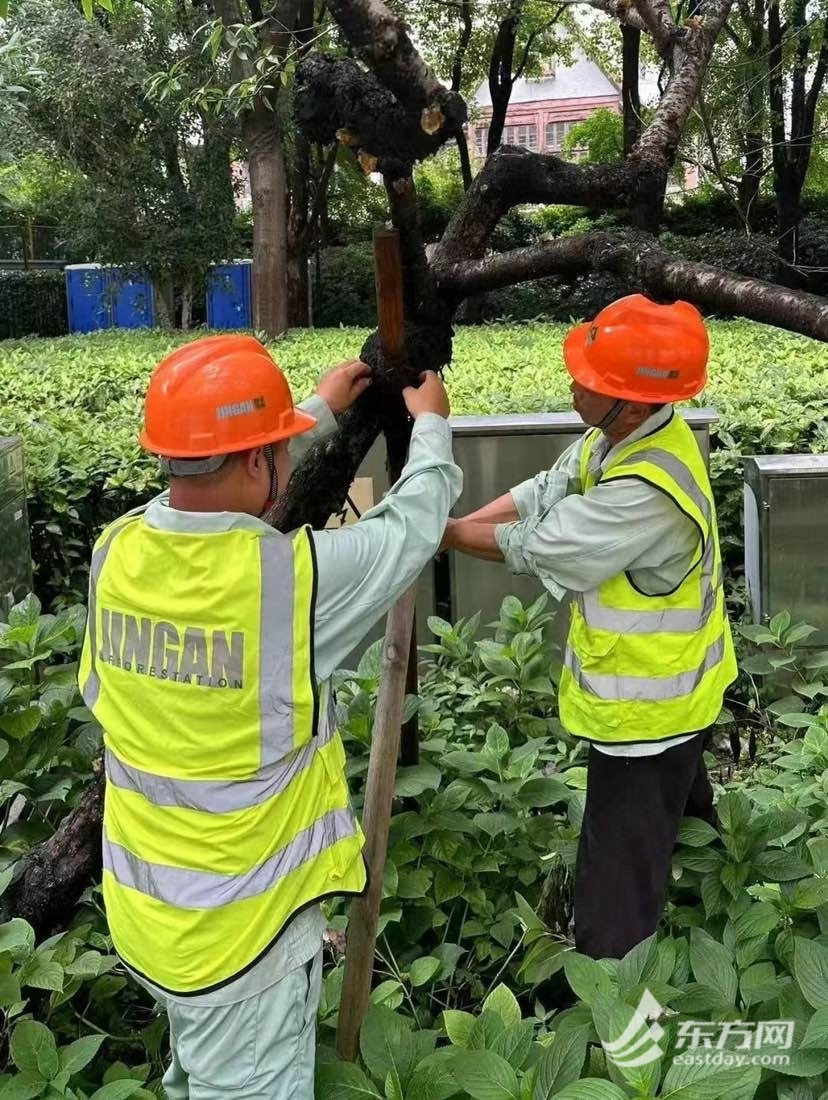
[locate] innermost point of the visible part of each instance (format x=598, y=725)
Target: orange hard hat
x=218, y=395
x=637, y=350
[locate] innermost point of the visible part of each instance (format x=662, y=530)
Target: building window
x=525, y=134
x=481, y=135
x=556, y=133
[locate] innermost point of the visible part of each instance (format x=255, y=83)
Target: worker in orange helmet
x=209, y=651
x=624, y=524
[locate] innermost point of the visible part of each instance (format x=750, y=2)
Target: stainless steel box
x=496, y=453
x=15, y=550
x=786, y=558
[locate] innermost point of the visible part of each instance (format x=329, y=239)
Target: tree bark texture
x=631, y=59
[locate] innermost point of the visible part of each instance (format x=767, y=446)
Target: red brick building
x=542, y=110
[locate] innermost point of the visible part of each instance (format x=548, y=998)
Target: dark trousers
x=633, y=809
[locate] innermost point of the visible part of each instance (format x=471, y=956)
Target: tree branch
x=655, y=15
x=462, y=46
x=642, y=263
x=381, y=42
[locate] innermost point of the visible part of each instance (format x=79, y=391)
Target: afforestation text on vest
x=160, y=649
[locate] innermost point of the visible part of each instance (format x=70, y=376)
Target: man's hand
x=429, y=397
x=340, y=387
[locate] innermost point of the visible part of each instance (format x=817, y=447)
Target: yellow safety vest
x=643, y=668
x=227, y=809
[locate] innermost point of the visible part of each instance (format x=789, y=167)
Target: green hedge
x=32, y=303
x=77, y=401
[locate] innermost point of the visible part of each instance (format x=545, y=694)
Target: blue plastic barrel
x=229, y=303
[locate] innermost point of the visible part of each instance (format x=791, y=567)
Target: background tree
x=153, y=188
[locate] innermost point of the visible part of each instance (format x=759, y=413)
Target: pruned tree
x=389, y=108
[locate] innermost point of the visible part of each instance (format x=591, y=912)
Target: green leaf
x=592, y=1088
x=503, y=1001
x=696, y=833
x=18, y=938
x=780, y=866
x=537, y=794
x=21, y=723
x=810, y=894
x=25, y=613
x=432, y=1079
x=30, y=1042
x=587, y=979
x=121, y=1090
x=634, y=965
x=486, y=1076
x=561, y=1063
x=80, y=1053
x=423, y=970
x=713, y=965
x=22, y=1088
x=386, y=1044
x=816, y=1034
x=759, y=920
x=709, y=1082
x=414, y=780
x=497, y=741
x=733, y=810
x=40, y=973
x=811, y=971
x=458, y=1026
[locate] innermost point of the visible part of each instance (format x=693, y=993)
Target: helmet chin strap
x=611, y=416
x=273, y=491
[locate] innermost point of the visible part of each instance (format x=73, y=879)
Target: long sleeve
x=542, y=492
x=325, y=426
x=364, y=568
x=583, y=540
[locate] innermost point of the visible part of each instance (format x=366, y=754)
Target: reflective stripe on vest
x=640, y=667
x=227, y=809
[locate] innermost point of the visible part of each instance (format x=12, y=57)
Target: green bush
x=477, y=992
x=343, y=287
x=76, y=402
x=32, y=303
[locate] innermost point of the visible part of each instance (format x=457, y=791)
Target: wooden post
x=379, y=792
x=385, y=740
x=390, y=310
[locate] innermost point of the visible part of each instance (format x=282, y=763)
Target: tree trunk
x=298, y=286
x=500, y=75
x=751, y=179
x=788, y=217
x=631, y=53
x=187, y=305
x=268, y=192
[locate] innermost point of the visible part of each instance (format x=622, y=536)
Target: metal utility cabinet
x=786, y=502
x=15, y=552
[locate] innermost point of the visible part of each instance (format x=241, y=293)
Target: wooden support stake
x=379, y=792
x=385, y=740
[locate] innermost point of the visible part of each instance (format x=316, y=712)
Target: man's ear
x=637, y=413
x=253, y=461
